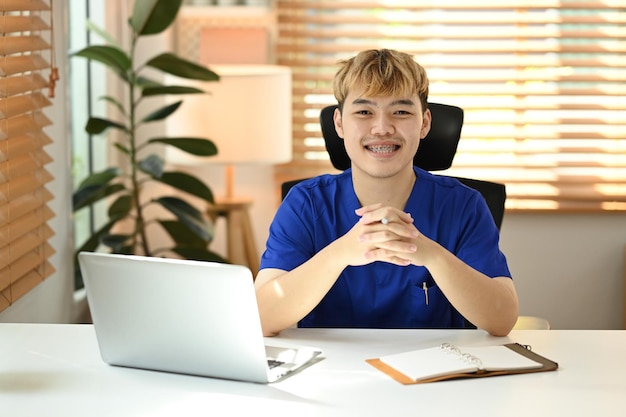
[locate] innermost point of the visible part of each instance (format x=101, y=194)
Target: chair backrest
x=494, y=194
x=436, y=153
x=436, y=150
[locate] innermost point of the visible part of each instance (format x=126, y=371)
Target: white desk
x=56, y=370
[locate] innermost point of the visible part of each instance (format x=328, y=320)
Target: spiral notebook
x=450, y=362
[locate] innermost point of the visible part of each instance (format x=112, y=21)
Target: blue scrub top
x=381, y=295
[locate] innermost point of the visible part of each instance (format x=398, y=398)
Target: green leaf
x=187, y=183
x=89, y=195
x=78, y=277
x=116, y=241
x=162, y=113
x=92, y=27
x=113, y=57
x=100, y=178
x=153, y=16
x=181, y=234
x=174, y=65
x=194, y=146
x=152, y=165
x=199, y=254
x=94, y=240
x=121, y=207
x=188, y=215
x=127, y=250
x=176, y=205
x=96, y=125
x=142, y=81
x=122, y=148
x=93, y=188
x=115, y=103
x=90, y=245
x=174, y=89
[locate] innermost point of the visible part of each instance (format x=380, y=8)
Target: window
x=87, y=84
x=24, y=233
x=542, y=83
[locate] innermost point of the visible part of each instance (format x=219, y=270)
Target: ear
x=338, y=122
x=426, y=123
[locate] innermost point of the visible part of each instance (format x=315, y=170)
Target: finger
x=385, y=216
x=380, y=232
x=361, y=211
x=386, y=256
x=387, y=243
x=406, y=218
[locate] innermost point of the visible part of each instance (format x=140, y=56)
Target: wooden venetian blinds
x=24, y=47
x=542, y=83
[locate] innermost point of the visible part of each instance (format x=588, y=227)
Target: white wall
x=568, y=268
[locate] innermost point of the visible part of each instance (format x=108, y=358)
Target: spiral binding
x=464, y=356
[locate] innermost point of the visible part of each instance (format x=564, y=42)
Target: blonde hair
x=383, y=72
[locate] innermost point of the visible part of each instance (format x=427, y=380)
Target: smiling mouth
x=382, y=149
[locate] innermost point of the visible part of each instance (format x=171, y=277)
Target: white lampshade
x=247, y=114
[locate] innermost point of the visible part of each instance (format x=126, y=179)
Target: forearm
x=489, y=303
x=286, y=297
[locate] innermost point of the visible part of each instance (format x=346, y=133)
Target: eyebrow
x=400, y=102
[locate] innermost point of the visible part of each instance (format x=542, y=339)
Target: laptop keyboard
x=273, y=363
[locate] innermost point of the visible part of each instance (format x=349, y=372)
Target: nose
x=382, y=125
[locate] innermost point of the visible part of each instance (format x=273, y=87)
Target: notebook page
x=428, y=363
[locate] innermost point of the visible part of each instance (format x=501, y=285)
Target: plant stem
x=135, y=186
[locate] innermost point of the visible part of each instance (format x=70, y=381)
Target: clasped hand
x=383, y=234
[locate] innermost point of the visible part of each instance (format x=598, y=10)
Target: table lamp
x=247, y=114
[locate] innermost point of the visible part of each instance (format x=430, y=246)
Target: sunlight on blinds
x=542, y=83
x=24, y=233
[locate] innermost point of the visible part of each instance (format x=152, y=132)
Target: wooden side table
x=241, y=246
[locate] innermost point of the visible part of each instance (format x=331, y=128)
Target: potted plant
x=126, y=229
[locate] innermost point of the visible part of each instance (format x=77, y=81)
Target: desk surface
x=56, y=370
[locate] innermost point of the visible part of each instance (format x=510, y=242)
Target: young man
x=384, y=244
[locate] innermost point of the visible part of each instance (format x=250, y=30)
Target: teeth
x=382, y=148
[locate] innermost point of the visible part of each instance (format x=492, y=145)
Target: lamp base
x=241, y=246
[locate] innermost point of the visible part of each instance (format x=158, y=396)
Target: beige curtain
x=25, y=53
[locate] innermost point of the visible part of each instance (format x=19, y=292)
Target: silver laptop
x=190, y=317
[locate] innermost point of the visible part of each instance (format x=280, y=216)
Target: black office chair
x=436, y=152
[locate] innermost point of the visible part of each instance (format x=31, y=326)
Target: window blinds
x=24, y=213
x=542, y=83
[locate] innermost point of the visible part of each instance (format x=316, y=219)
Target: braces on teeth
x=382, y=148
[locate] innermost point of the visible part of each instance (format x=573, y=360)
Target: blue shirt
x=381, y=295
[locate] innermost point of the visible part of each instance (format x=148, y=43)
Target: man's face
x=381, y=134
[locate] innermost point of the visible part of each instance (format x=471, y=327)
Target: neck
x=391, y=191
